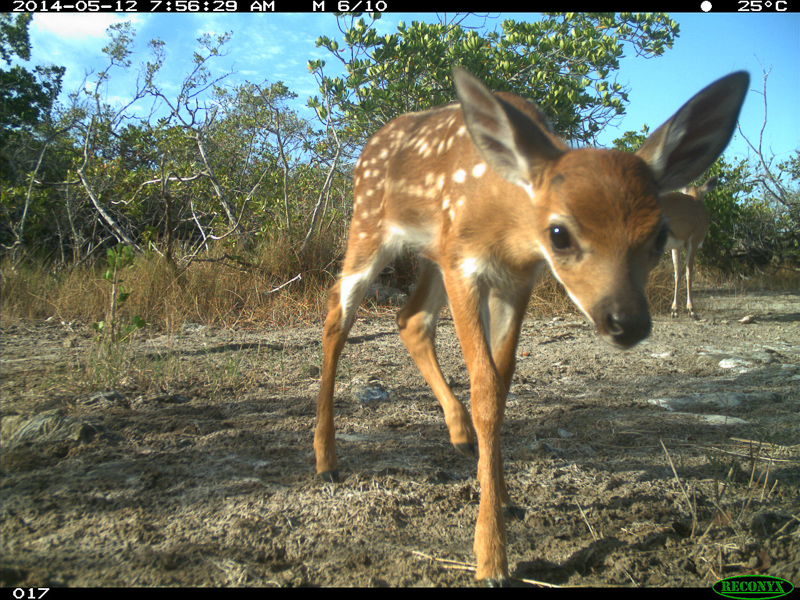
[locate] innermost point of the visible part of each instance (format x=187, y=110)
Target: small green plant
x=110, y=330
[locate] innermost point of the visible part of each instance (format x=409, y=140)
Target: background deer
x=488, y=195
x=687, y=220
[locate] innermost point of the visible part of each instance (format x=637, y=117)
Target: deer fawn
x=487, y=195
x=687, y=219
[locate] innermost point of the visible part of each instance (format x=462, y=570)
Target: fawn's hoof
x=469, y=449
x=330, y=476
x=498, y=582
x=513, y=512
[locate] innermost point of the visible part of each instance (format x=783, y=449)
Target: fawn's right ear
x=513, y=145
x=687, y=144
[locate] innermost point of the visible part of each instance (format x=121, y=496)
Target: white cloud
x=77, y=26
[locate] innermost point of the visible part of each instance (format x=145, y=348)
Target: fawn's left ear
x=687, y=144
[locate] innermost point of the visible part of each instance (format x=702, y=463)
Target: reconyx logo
x=759, y=587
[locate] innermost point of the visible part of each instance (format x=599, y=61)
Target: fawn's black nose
x=623, y=324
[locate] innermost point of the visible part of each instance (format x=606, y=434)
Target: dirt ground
x=673, y=464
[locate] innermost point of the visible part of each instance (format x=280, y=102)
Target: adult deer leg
x=676, y=267
x=691, y=252
x=417, y=323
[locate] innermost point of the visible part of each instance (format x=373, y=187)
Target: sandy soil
x=186, y=459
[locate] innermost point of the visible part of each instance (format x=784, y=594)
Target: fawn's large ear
x=509, y=141
x=685, y=146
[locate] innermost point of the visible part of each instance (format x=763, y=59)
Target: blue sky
x=277, y=46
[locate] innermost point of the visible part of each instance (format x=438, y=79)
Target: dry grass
x=220, y=289
x=660, y=288
x=227, y=290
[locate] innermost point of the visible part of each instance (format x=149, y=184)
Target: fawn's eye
x=560, y=239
